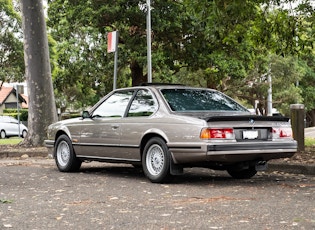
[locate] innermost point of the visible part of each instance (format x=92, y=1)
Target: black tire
x=243, y=173
x=156, y=161
x=65, y=157
x=24, y=133
x=3, y=134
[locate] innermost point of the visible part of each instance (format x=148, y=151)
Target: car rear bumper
x=232, y=152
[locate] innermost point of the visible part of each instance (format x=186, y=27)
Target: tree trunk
x=311, y=118
x=211, y=82
x=41, y=107
x=137, y=74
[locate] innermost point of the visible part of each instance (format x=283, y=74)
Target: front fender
x=55, y=130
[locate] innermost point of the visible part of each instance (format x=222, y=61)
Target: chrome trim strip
x=104, y=145
x=49, y=143
x=254, y=146
x=107, y=158
x=252, y=152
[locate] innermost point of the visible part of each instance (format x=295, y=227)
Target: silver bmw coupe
x=166, y=128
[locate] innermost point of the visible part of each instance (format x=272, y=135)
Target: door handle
x=115, y=127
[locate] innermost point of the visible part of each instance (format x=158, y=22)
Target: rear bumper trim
x=292, y=146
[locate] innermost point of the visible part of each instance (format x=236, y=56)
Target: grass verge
x=309, y=142
x=10, y=141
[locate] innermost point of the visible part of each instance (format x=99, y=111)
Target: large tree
x=42, y=109
x=214, y=44
x=80, y=29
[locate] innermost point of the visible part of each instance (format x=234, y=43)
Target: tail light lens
x=217, y=133
x=281, y=132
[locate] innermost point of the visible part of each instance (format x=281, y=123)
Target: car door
x=11, y=127
x=100, y=134
x=137, y=122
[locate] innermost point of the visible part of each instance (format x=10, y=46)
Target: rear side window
x=142, y=105
x=199, y=100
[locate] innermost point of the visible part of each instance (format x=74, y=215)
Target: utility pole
x=17, y=107
x=149, y=60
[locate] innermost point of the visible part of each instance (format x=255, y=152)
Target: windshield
x=199, y=100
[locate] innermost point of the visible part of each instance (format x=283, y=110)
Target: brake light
x=218, y=133
x=281, y=132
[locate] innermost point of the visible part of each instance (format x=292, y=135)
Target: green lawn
x=309, y=142
x=10, y=141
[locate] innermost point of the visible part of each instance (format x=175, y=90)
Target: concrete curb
x=8, y=154
x=282, y=167
x=292, y=168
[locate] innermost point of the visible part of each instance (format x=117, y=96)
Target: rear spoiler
x=247, y=118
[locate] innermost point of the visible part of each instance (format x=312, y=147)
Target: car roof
x=166, y=86
x=1, y=116
x=160, y=84
x=5, y=118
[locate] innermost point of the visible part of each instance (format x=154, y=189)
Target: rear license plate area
x=250, y=134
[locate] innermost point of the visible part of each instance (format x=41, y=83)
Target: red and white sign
x=111, y=42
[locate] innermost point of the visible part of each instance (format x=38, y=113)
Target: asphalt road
x=34, y=195
x=309, y=132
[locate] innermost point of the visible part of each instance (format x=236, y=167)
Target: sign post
x=112, y=46
x=18, y=107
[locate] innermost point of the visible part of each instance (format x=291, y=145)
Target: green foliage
x=11, y=46
x=286, y=72
x=5, y=201
x=309, y=142
x=14, y=113
x=226, y=45
x=307, y=83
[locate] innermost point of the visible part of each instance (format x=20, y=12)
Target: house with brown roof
x=8, y=99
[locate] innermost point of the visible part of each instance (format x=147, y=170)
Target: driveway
x=34, y=195
x=310, y=132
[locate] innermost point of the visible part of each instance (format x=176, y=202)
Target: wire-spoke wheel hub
x=155, y=159
x=63, y=153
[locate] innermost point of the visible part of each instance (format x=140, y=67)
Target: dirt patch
x=305, y=157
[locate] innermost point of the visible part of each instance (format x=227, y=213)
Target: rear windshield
x=199, y=100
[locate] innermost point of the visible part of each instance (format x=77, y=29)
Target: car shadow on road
x=197, y=176
x=113, y=170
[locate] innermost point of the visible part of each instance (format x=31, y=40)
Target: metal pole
x=115, y=62
x=17, y=107
x=149, y=41
x=269, y=99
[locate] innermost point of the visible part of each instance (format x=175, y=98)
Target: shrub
x=14, y=113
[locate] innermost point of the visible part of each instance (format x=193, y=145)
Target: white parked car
x=9, y=127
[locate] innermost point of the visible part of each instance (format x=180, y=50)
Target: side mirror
x=86, y=114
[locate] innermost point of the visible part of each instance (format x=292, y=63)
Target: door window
x=115, y=105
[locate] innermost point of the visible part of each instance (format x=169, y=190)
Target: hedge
x=14, y=113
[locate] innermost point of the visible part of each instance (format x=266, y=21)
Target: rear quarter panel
x=171, y=128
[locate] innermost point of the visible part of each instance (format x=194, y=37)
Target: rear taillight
x=281, y=132
x=217, y=133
